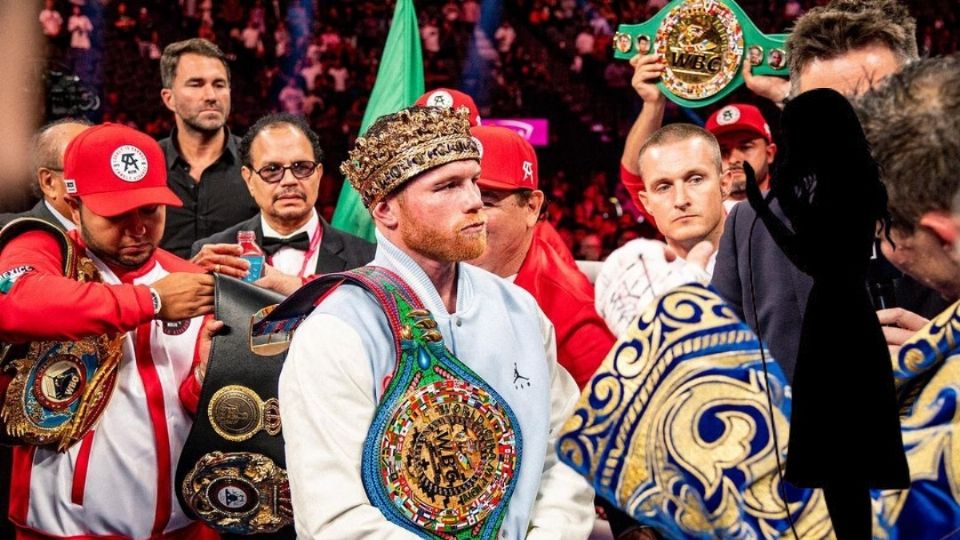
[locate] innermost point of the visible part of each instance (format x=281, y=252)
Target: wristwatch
x=157, y=304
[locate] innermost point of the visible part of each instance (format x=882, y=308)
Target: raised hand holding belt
x=300, y=241
x=704, y=44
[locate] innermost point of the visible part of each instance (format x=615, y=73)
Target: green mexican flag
x=399, y=84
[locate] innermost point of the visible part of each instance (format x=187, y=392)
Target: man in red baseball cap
x=744, y=136
x=131, y=314
x=517, y=249
x=449, y=98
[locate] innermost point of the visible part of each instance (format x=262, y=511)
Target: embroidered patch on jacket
x=175, y=328
x=8, y=278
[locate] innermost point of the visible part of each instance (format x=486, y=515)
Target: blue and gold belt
x=59, y=389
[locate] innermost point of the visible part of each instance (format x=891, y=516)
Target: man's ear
x=726, y=182
x=642, y=195
x=47, y=183
x=771, y=152
x=247, y=174
x=386, y=211
x=534, y=204
x=166, y=96
x=74, y=204
x=941, y=224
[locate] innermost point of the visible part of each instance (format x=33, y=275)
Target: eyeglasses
x=273, y=173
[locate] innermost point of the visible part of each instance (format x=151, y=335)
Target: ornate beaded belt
x=442, y=453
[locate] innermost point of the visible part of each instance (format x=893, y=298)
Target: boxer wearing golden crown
x=417, y=173
x=105, y=329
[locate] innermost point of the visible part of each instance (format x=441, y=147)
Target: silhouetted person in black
x=844, y=428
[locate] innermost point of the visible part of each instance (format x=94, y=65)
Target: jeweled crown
x=399, y=146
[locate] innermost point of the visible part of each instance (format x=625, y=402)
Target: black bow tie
x=300, y=241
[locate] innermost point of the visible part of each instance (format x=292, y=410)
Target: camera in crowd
x=68, y=96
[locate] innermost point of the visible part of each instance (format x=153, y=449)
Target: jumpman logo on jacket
x=519, y=381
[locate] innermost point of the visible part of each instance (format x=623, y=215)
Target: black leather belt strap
x=232, y=364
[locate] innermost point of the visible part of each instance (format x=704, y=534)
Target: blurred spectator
x=80, y=28
x=451, y=11
x=470, y=12
x=330, y=40
x=124, y=24
x=340, y=74
x=258, y=16
x=430, y=35
x=281, y=39
x=505, y=36
x=250, y=38
x=590, y=248
x=145, y=31
x=292, y=97
x=51, y=22
x=310, y=71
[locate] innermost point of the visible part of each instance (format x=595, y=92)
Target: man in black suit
x=49, y=145
x=281, y=167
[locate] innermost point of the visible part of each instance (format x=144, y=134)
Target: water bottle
x=252, y=254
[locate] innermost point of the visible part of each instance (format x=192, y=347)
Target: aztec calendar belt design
x=448, y=455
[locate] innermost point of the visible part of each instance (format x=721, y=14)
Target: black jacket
x=338, y=251
x=780, y=288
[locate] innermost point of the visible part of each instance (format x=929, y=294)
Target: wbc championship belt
x=443, y=450
x=59, y=389
x=704, y=44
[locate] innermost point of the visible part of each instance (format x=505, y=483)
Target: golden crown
x=400, y=146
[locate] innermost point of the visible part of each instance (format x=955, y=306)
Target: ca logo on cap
x=129, y=163
x=728, y=115
x=440, y=98
x=528, y=170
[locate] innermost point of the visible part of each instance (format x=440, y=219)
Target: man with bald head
x=49, y=145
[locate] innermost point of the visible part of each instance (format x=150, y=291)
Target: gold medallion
x=702, y=44
x=237, y=413
x=239, y=492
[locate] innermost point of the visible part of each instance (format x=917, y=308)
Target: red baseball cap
x=449, y=98
x=507, y=161
x=739, y=117
x=114, y=169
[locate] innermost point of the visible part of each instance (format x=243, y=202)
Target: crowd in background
x=319, y=59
